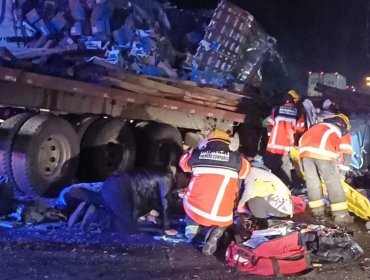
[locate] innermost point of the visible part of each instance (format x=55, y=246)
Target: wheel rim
x=115, y=154
x=53, y=154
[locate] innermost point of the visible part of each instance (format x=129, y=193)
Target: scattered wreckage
x=82, y=101
x=103, y=87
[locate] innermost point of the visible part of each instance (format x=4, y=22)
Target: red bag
x=280, y=256
x=299, y=205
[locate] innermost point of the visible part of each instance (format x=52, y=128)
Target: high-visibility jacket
x=213, y=189
x=262, y=183
x=286, y=122
x=321, y=141
x=345, y=146
x=345, y=149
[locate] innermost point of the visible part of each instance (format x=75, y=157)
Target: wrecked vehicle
x=75, y=108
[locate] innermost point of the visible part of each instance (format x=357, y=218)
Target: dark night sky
x=317, y=35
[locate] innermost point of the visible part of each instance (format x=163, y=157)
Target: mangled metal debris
x=146, y=37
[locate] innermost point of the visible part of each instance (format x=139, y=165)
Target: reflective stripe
x=333, y=128
x=316, y=203
x=318, y=151
x=208, y=216
x=247, y=169
x=215, y=170
x=279, y=147
x=345, y=147
x=270, y=121
x=324, y=138
x=184, y=158
x=191, y=184
x=220, y=196
x=286, y=119
x=339, y=206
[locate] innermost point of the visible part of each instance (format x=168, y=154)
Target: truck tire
x=82, y=122
x=8, y=131
x=45, y=155
x=107, y=147
x=159, y=145
x=192, y=139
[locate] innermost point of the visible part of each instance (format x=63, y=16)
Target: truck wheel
x=107, y=147
x=8, y=131
x=45, y=155
x=82, y=122
x=192, y=139
x=159, y=145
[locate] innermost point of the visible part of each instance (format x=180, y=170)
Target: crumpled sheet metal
x=233, y=43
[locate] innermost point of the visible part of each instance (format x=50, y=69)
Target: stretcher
x=357, y=203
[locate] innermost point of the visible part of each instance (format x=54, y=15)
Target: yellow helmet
x=345, y=120
x=218, y=135
x=295, y=95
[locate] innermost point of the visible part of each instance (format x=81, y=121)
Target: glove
x=202, y=144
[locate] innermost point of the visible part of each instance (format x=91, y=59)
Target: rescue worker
x=265, y=195
x=285, y=123
x=211, y=195
x=345, y=158
x=319, y=149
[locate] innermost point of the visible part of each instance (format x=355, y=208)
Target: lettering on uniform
x=217, y=156
x=289, y=111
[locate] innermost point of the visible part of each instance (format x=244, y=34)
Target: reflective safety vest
x=285, y=123
x=213, y=189
x=345, y=146
x=262, y=183
x=346, y=151
x=321, y=141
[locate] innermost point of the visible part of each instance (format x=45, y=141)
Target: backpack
x=280, y=256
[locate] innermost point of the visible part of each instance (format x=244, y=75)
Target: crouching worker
x=210, y=198
x=264, y=196
x=125, y=197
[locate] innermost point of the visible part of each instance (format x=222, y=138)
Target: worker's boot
x=342, y=218
x=212, y=238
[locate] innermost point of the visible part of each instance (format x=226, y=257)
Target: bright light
x=367, y=79
x=321, y=73
x=309, y=72
x=336, y=73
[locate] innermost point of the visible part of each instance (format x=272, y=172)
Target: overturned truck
x=109, y=100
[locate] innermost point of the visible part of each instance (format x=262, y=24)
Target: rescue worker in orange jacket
x=319, y=149
x=211, y=196
x=285, y=123
x=346, y=151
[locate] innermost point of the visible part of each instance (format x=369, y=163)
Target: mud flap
x=357, y=203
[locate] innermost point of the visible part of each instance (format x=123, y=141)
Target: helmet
x=295, y=95
x=218, y=135
x=345, y=119
x=341, y=121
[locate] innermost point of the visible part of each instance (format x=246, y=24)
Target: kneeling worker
x=210, y=198
x=265, y=195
